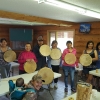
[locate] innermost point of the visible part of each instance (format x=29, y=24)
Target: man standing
x=41, y=60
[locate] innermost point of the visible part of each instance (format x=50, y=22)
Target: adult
x=93, y=53
x=55, y=63
x=3, y=49
x=69, y=68
x=35, y=84
x=26, y=55
x=41, y=59
x=98, y=52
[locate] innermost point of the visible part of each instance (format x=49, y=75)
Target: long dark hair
x=89, y=43
x=97, y=45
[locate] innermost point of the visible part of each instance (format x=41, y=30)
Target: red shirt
x=24, y=56
x=66, y=51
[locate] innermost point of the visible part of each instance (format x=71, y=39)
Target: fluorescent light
x=71, y=7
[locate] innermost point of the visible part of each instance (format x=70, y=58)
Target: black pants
x=55, y=68
x=21, y=72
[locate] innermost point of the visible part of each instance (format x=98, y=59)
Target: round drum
x=85, y=59
x=30, y=67
x=70, y=58
x=47, y=75
x=84, y=91
x=45, y=50
x=9, y=56
x=55, y=54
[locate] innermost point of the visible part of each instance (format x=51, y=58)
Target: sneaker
x=66, y=89
x=51, y=86
x=55, y=85
x=73, y=90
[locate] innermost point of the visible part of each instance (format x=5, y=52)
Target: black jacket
x=41, y=59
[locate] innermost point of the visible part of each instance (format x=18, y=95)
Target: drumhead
x=9, y=56
x=45, y=50
x=70, y=58
x=46, y=74
x=30, y=67
x=55, y=54
x=85, y=59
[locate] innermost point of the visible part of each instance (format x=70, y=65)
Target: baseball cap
x=37, y=77
x=40, y=38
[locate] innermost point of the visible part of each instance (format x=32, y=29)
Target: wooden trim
x=17, y=16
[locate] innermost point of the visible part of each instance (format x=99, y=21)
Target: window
x=62, y=37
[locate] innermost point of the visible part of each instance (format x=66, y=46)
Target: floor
x=58, y=94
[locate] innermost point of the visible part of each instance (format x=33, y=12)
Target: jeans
x=55, y=68
x=71, y=70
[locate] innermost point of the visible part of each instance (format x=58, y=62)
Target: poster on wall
x=85, y=27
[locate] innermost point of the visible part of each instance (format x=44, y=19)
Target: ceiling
x=31, y=7
x=18, y=22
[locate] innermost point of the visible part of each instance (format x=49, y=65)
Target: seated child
x=20, y=83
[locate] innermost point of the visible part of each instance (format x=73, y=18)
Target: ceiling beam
x=17, y=16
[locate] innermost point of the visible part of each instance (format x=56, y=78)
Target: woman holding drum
x=69, y=62
x=3, y=49
x=93, y=53
x=26, y=56
x=55, y=59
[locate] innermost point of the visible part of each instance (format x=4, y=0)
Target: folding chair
x=3, y=72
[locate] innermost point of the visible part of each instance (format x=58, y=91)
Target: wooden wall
x=80, y=39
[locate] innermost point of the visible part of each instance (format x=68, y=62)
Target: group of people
x=30, y=55
x=22, y=91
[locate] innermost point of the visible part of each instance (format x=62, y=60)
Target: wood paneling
x=80, y=39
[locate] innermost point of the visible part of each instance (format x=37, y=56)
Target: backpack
x=15, y=93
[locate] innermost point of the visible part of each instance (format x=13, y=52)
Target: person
x=20, y=91
x=35, y=84
x=20, y=82
x=69, y=68
x=41, y=59
x=54, y=64
x=98, y=52
x=98, y=63
x=0, y=42
x=3, y=49
x=25, y=56
x=93, y=53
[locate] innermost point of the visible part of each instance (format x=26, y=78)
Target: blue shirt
x=98, y=62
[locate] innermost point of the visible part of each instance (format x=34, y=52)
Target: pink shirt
x=24, y=56
x=66, y=51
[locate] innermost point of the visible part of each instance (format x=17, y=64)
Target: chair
x=3, y=72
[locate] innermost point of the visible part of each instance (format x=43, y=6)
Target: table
x=4, y=86
x=93, y=72
x=74, y=96
x=13, y=65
